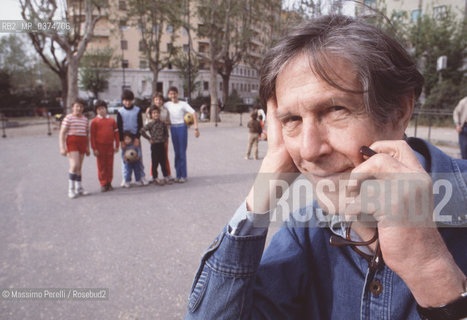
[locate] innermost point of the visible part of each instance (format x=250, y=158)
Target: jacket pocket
x=199, y=288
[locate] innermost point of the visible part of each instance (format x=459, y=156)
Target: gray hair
x=385, y=70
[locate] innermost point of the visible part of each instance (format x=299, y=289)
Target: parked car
x=113, y=106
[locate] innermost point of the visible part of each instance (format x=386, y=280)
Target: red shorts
x=76, y=143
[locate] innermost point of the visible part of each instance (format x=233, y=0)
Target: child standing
x=130, y=118
x=104, y=142
x=179, y=132
x=255, y=131
x=158, y=136
x=130, y=165
x=74, y=142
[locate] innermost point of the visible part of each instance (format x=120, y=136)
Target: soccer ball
x=131, y=155
x=188, y=119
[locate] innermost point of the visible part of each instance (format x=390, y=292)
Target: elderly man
x=340, y=94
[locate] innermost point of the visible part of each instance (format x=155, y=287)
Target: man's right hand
x=277, y=165
x=459, y=129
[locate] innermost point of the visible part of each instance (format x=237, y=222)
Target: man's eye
x=292, y=119
x=337, y=108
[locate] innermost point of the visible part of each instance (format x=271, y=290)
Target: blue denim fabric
x=179, y=134
x=301, y=276
x=129, y=167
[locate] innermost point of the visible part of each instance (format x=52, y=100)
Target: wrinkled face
x=323, y=127
x=77, y=109
x=127, y=103
x=155, y=114
x=173, y=96
x=102, y=111
x=158, y=101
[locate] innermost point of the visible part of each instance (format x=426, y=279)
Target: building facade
x=131, y=69
x=415, y=8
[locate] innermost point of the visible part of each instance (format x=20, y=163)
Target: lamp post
x=122, y=46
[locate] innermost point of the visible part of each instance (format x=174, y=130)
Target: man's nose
x=314, y=141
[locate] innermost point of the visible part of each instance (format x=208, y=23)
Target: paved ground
x=142, y=243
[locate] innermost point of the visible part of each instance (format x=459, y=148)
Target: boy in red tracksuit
x=104, y=143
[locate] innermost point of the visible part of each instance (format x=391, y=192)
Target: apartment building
x=133, y=70
x=416, y=8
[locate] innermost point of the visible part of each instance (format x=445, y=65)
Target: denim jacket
x=301, y=276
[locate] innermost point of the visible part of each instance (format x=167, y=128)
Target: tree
x=83, y=15
x=239, y=34
x=272, y=22
x=16, y=62
x=152, y=17
x=94, y=72
x=435, y=37
x=187, y=71
x=218, y=19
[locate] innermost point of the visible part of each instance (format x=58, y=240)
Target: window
x=124, y=63
x=202, y=29
x=439, y=12
x=143, y=64
x=123, y=25
x=184, y=31
x=122, y=5
x=186, y=48
x=206, y=85
x=141, y=45
x=169, y=28
x=123, y=44
x=203, y=47
x=416, y=14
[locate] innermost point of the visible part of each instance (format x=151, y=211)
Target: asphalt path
x=143, y=244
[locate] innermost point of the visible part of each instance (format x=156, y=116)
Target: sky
x=10, y=10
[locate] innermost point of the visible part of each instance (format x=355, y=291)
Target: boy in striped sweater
x=74, y=143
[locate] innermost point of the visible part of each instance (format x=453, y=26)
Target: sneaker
x=246, y=158
x=104, y=188
x=109, y=187
x=170, y=178
x=168, y=181
x=72, y=194
x=144, y=181
x=151, y=180
x=123, y=183
x=139, y=183
x=160, y=182
x=126, y=184
x=82, y=192
x=182, y=180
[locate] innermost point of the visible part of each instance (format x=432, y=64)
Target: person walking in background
x=255, y=129
x=130, y=118
x=158, y=136
x=104, y=143
x=74, y=143
x=460, y=119
x=178, y=129
x=130, y=159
